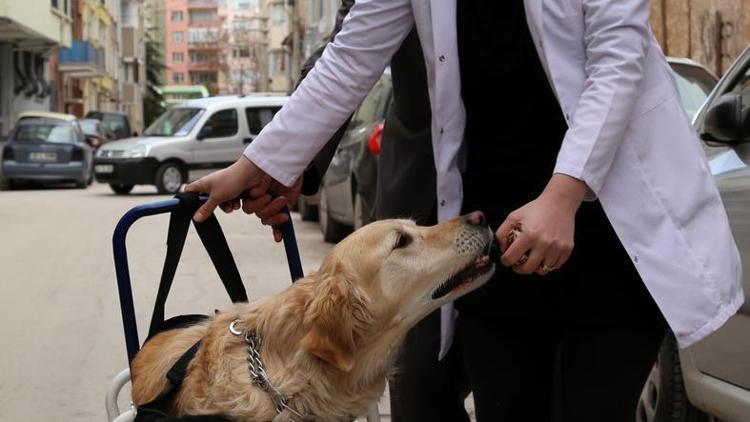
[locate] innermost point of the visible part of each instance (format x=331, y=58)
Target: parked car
x=97, y=133
x=49, y=148
x=185, y=143
x=347, y=191
x=710, y=381
x=118, y=123
x=694, y=83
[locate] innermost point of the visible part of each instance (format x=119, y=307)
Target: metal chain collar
x=258, y=374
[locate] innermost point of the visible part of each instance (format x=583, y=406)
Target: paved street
x=61, y=331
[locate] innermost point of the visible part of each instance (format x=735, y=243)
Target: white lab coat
x=629, y=139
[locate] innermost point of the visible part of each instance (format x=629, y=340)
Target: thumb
x=206, y=210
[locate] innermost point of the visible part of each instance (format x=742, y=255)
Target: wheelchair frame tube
x=122, y=271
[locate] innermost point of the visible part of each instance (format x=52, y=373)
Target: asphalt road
x=61, y=338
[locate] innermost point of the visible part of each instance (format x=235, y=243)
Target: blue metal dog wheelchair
x=180, y=209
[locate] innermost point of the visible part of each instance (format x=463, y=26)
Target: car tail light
x=376, y=136
x=8, y=153
x=76, y=155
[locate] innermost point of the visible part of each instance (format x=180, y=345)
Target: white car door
x=219, y=142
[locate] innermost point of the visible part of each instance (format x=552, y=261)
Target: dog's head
x=382, y=279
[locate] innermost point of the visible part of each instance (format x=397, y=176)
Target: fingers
x=199, y=186
x=509, y=224
x=206, y=210
x=273, y=208
x=532, y=264
x=515, y=251
x=277, y=234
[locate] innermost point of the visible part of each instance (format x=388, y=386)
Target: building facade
x=30, y=33
x=194, y=38
x=243, y=55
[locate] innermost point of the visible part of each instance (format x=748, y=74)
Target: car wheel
x=169, y=178
x=306, y=211
x=121, y=189
x=664, y=398
x=332, y=230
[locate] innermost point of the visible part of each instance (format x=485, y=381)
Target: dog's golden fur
x=328, y=341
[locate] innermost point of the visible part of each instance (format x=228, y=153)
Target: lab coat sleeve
x=616, y=36
x=341, y=78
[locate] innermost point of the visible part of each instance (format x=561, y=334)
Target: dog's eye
x=403, y=241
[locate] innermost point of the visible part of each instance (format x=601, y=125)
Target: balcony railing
x=82, y=59
x=202, y=4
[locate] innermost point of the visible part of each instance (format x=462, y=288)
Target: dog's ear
x=331, y=328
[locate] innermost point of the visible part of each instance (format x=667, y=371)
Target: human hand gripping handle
x=543, y=229
x=225, y=186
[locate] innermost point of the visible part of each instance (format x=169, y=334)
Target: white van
x=185, y=143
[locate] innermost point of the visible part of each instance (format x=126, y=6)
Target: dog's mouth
x=480, y=266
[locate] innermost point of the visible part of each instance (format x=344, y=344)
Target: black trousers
x=423, y=389
x=522, y=370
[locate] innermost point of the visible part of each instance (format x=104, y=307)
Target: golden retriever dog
x=328, y=341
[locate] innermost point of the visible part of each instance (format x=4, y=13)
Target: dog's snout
x=476, y=218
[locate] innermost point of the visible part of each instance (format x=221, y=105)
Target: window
x=178, y=77
x=202, y=57
x=177, y=36
x=177, y=16
x=222, y=124
x=246, y=4
x=278, y=14
x=202, y=15
x=242, y=52
x=371, y=109
x=177, y=121
x=203, y=35
x=259, y=117
x=246, y=24
x=203, y=77
x=276, y=63
x=178, y=57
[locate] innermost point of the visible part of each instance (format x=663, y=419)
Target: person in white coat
x=626, y=163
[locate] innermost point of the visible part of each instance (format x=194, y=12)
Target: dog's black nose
x=476, y=218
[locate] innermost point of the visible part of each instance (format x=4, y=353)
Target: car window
x=370, y=110
x=259, y=117
x=89, y=127
x=222, y=123
x=60, y=133
x=175, y=122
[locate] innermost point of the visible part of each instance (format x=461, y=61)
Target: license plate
x=43, y=156
x=104, y=168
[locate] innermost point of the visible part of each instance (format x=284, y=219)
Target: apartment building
x=30, y=33
x=89, y=69
x=194, y=38
x=242, y=58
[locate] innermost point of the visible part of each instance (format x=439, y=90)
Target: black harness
x=216, y=245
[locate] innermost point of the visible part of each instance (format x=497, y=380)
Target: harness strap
x=155, y=410
x=215, y=244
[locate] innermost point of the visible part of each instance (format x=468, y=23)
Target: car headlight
x=99, y=153
x=137, y=152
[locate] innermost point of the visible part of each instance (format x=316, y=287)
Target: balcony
x=81, y=60
x=130, y=44
x=131, y=93
x=203, y=4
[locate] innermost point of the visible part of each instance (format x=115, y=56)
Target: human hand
x=544, y=228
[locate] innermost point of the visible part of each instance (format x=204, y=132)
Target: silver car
x=710, y=381
x=186, y=142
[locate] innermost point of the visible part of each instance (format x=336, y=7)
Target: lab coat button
x=442, y=203
x=442, y=130
x=441, y=58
